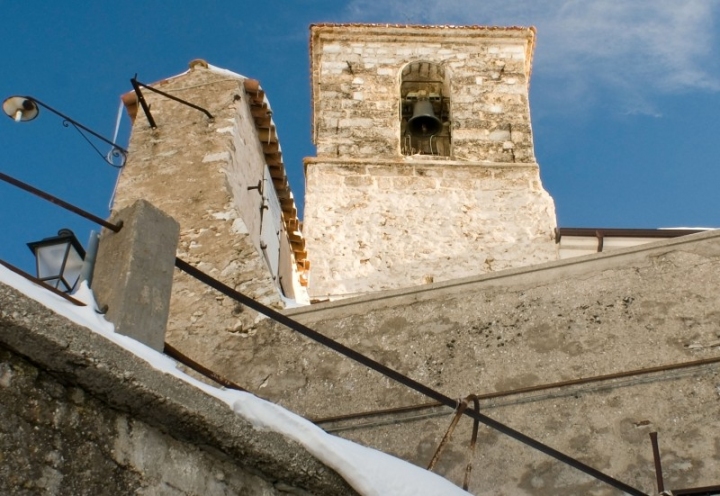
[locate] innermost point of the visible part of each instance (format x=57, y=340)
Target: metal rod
x=143, y=103
x=529, y=389
x=448, y=433
x=697, y=491
x=622, y=233
x=173, y=352
x=42, y=283
x=398, y=377
x=136, y=83
x=60, y=203
x=75, y=123
x=658, y=465
x=473, y=441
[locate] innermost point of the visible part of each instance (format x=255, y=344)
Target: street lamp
x=20, y=108
x=27, y=108
x=59, y=260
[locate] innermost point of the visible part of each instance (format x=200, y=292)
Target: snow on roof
x=225, y=72
x=368, y=471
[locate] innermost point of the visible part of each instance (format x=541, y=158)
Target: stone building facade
x=223, y=179
x=587, y=355
x=499, y=335
x=386, y=207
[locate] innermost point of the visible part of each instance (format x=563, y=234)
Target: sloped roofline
x=273, y=158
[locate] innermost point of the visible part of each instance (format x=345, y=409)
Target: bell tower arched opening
x=425, y=110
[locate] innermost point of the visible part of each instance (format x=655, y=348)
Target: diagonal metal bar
x=136, y=86
x=77, y=124
x=448, y=433
x=143, y=103
x=402, y=379
x=173, y=352
x=60, y=203
x=658, y=464
x=42, y=283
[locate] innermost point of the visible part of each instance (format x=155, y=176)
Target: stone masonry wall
x=375, y=219
x=356, y=87
x=647, y=306
x=387, y=225
x=80, y=415
x=56, y=439
x=198, y=171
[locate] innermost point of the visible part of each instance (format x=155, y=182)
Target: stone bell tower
x=425, y=168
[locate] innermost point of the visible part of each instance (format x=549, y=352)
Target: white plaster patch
x=239, y=227
x=226, y=215
x=225, y=130
x=499, y=135
x=216, y=157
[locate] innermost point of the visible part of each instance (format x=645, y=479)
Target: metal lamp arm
x=117, y=150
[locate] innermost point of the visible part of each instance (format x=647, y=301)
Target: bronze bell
x=423, y=122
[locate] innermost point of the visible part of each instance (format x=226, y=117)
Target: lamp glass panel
x=73, y=267
x=50, y=259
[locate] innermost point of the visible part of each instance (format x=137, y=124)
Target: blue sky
x=624, y=95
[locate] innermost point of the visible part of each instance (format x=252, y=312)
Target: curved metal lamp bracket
x=26, y=108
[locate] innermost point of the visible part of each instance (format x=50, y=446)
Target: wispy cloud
x=628, y=51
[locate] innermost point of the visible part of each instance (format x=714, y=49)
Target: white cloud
x=635, y=49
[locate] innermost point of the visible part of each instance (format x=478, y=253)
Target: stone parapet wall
x=383, y=224
x=356, y=86
x=80, y=415
x=57, y=439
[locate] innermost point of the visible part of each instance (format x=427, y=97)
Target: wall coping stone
x=523, y=276
x=81, y=357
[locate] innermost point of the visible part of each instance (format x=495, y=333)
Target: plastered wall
x=649, y=306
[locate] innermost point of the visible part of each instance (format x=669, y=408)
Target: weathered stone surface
x=388, y=224
x=612, y=312
x=58, y=440
x=82, y=416
x=134, y=272
x=379, y=217
x=198, y=171
x=356, y=88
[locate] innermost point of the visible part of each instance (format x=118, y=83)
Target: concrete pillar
x=134, y=272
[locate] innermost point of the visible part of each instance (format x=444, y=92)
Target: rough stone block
x=134, y=272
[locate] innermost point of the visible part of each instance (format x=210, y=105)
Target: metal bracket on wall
x=694, y=491
x=462, y=406
x=258, y=187
x=146, y=108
